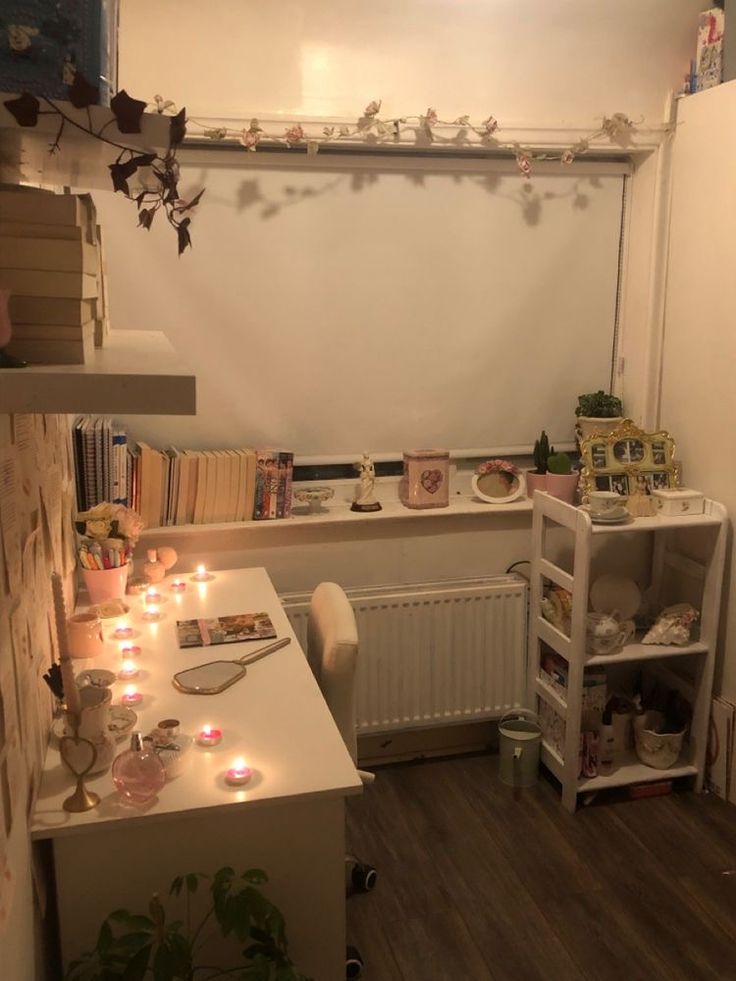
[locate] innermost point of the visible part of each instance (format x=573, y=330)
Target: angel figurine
x=365, y=499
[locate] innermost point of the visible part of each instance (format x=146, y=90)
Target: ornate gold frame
x=619, y=459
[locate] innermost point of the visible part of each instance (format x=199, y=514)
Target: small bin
x=519, y=741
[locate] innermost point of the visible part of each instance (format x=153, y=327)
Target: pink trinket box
x=425, y=483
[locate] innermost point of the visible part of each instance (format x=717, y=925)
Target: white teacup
x=606, y=634
x=607, y=504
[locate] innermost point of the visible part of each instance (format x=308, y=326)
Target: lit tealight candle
x=130, y=650
x=209, y=736
x=178, y=586
x=201, y=575
x=152, y=596
x=132, y=696
x=151, y=613
x=238, y=773
x=127, y=671
x=122, y=630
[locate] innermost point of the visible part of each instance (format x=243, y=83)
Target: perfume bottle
x=137, y=772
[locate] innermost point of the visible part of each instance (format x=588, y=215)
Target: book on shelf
x=51, y=310
x=49, y=255
x=31, y=204
x=274, y=470
x=51, y=344
x=209, y=631
x=35, y=282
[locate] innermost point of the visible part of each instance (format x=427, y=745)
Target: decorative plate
x=96, y=677
x=110, y=609
x=611, y=593
x=314, y=497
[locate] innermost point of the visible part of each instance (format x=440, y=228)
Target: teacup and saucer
x=607, y=506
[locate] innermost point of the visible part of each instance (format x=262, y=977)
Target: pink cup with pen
x=105, y=584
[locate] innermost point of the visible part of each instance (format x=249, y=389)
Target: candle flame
x=201, y=570
x=131, y=690
x=207, y=730
x=239, y=764
x=128, y=667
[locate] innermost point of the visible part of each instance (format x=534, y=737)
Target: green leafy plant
x=542, y=451
x=559, y=463
x=599, y=405
x=132, y=947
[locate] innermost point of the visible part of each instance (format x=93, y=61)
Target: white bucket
x=519, y=740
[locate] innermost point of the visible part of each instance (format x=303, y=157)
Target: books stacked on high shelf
x=51, y=262
x=173, y=486
x=274, y=473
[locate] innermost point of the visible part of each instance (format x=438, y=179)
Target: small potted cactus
x=536, y=479
x=562, y=480
x=597, y=412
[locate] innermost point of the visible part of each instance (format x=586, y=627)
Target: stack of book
x=50, y=260
x=178, y=487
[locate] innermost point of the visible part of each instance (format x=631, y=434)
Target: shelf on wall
x=135, y=372
x=81, y=160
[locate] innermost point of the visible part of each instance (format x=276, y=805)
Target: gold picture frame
x=628, y=460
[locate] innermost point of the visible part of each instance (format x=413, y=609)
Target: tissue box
x=425, y=483
x=678, y=500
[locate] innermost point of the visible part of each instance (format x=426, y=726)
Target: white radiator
x=434, y=653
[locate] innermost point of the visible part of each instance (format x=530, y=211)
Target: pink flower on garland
x=431, y=118
x=294, y=134
x=490, y=466
x=490, y=126
x=373, y=108
x=249, y=138
x=524, y=163
x=567, y=157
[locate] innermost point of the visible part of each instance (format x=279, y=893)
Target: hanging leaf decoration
x=145, y=218
x=185, y=239
x=82, y=93
x=25, y=109
x=128, y=112
x=178, y=128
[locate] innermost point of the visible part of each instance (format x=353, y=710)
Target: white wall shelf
x=135, y=372
x=81, y=161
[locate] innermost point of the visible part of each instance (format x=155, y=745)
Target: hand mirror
x=215, y=676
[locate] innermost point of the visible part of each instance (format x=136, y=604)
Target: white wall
x=561, y=63
x=698, y=393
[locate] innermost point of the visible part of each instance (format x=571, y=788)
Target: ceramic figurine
x=365, y=499
x=153, y=569
x=167, y=557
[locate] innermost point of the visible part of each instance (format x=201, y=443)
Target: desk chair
x=332, y=652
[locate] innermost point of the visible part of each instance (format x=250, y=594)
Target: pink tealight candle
x=128, y=670
x=122, y=630
x=178, y=586
x=201, y=575
x=132, y=696
x=152, y=596
x=152, y=613
x=238, y=773
x=130, y=650
x=209, y=736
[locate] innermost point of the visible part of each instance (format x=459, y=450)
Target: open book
x=224, y=630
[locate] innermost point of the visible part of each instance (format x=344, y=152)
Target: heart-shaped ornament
x=431, y=480
x=78, y=754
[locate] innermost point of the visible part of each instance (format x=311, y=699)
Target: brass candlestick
x=82, y=799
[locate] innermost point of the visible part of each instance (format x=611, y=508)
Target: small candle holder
x=151, y=613
x=239, y=773
x=128, y=671
x=201, y=575
x=131, y=696
x=209, y=736
x=122, y=631
x=130, y=650
x=151, y=597
x=178, y=586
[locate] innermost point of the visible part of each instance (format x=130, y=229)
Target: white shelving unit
x=136, y=371
x=690, y=546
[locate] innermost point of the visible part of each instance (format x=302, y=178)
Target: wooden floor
x=478, y=881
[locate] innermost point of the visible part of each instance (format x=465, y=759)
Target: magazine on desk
x=209, y=631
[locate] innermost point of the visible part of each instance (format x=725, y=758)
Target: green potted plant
x=536, y=479
x=597, y=412
x=562, y=480
x=134, y=947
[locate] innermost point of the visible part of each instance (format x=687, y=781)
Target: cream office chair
x=332, y=652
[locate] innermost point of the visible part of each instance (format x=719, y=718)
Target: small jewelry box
x=425, y=483
x=678, y=500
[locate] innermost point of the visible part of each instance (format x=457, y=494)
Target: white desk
x=288, y=820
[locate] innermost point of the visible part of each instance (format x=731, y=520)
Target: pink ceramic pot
x=563, y=485
x=535, y=482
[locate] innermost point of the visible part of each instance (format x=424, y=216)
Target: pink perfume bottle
x=137, y=772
